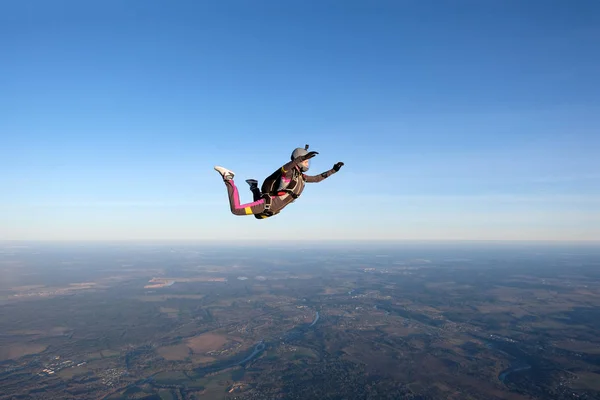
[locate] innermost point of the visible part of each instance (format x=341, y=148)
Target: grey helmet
x=300, y=152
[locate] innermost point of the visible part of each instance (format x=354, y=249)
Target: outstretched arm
x=324, y=175
x=287, y=168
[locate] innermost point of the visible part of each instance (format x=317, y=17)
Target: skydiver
x=279, y=189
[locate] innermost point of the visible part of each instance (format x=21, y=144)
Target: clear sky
x=460, y=119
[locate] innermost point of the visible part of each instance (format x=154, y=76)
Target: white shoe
x=225, y=173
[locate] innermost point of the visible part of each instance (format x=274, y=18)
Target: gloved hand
x=311, y=154
x=337, y=166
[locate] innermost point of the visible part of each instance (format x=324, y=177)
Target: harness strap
x=291, y=193
x=268, y=200
x=290, y=188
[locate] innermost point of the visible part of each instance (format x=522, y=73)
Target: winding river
x=510, y=351
x=218, y=366
x=516, y=368
x=315, y=321
x=257, y=350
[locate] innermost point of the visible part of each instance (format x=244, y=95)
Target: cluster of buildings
x=57, y=365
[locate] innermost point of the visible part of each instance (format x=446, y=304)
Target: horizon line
x=270, y=241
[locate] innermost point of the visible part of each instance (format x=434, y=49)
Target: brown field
x=225, y=302
x=402, y=330
x=55, y=331
x=300, y=276
x=16, y=351
x=499, y=308
x=69, y=373
x=491, y=390
x=441, y=285
x=519, y=312
x=451, y=343
x=260, y=288
x=163, y=297
x=549, y=324
x=26, y=288
x=278, y=286
x=58, y=330
x=330, y=290
x=27, y=292
x=426, y=309
x=579, y=346
x=508, y=295
x=155, y=286
x=177, y=352
x=307, y=318
x=335, y=312
x=170, y=312
x=194, y=279
x=430, y=369
x=27, y=332
x=84, y=284
x=206, y=342
x=194, y=347
x=587, y=381
x=199, y=359
x=101, y=355
x=209, y=268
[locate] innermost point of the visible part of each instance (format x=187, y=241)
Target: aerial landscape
x=300, y=200
x=332, y=321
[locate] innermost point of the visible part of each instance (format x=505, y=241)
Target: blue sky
x=455, y=119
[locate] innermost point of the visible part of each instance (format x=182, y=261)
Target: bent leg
x=255, y=207
x=256, y=194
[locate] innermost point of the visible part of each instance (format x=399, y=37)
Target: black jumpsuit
x=279, y=201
